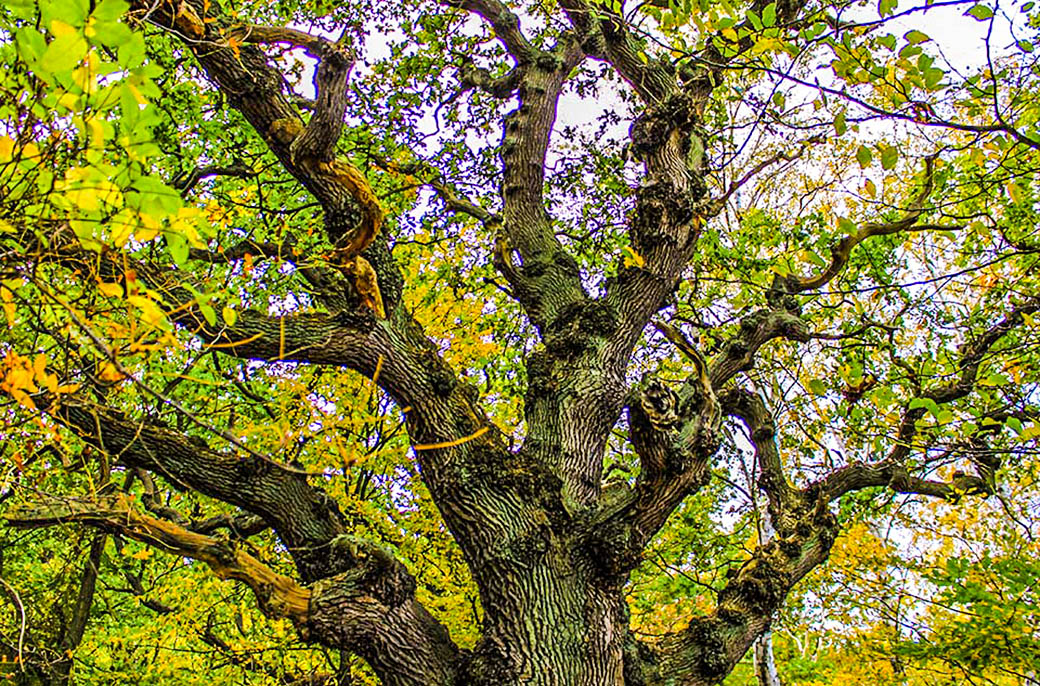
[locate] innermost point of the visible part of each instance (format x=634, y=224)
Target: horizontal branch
x=500, y=87
x=301, y=514
x=186, y=182
x=893, y=475
x=278, y=596
x=239, y=251
x=756, y=329
x=315, y=46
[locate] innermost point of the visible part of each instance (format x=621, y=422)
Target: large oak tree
x=604, y=261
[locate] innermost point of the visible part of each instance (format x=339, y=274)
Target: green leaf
x=915, y=37
x=840, y=127
x=769, y=15
x=178, y=246
x=209, y=314
x=156, y=197
x=889, y=157
x=887, y=7
x=31, y=44
x=110, y=10
x=980, y=12
x=927, y=404
x=64, y=53
x=864, y=156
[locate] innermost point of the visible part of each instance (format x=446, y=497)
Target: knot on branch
x=576, y=326
x=375, y=571
x=758, y=587
x=610, y=549
x=659, y=210
x=659, y=405
x=707, y=648
x=653, y=129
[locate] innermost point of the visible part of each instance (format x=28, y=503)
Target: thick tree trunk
x=550, y=618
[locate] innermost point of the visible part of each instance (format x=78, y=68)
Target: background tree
x=477, y=339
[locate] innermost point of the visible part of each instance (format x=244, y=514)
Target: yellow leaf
x=229, y=316
x=40, y=366
x=68, y=101
x=60, y=28
x=148, y=230
x=1015, y=191
x=109, y=372
x=6, y=149
x=631, y=258
x=7, y=301
x=112, y=290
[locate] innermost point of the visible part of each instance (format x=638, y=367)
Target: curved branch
x=709, y=648
x=751, y=409
x=505, y=23
x=892, y=471
x=842, y=250
x=757, y=329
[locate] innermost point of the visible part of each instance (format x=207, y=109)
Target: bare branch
x=892, y=471
x=315, y=46
x=752, y=410
x=238, y=251
x=501, y=87
x=186, y=182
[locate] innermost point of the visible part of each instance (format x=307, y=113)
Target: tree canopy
x=490, y=342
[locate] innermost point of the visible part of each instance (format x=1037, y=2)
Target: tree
x=603, y=345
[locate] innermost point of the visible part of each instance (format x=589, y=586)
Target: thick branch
x=505, y=23
x=752, y=410
x=674, y=434
x=303, y=516
x=278, y=596
x=500, y=87
x=709, y=648
x=891, y=474
x=758, y=328
x=544, y=277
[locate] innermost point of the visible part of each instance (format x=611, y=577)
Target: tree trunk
x=550, y=620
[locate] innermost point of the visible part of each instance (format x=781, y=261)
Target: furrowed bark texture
x=549, y=546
